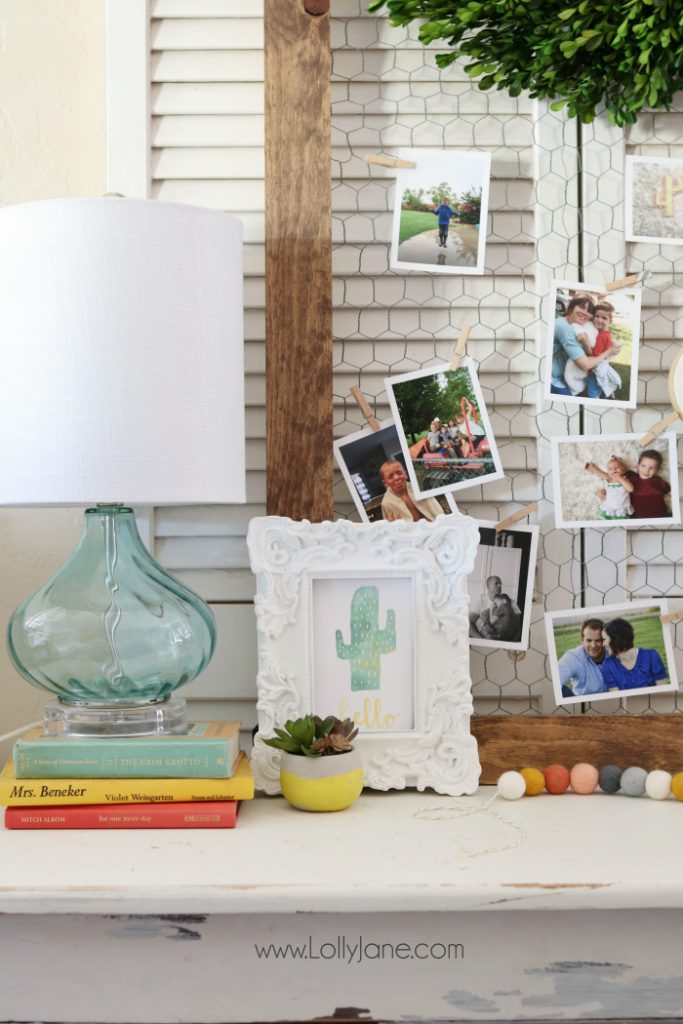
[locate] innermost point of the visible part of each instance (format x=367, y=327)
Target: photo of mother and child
x=622, y=654
x=590, y=335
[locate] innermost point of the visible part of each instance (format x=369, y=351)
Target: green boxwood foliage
x=625, y=53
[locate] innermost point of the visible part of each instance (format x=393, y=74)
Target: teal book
x=208, y=750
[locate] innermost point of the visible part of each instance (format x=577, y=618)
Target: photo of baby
x=635, y=485
x=593, y=340
x=500, y=587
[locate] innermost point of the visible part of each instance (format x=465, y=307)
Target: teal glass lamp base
x=112, y=635
x=160, y=718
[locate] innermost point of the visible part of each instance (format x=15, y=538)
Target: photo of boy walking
x=443, y=213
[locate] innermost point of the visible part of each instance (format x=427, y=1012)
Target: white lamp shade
x=121, y=340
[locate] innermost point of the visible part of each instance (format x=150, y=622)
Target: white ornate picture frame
x=400, y=587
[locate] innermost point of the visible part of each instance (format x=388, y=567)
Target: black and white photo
x=501, y=585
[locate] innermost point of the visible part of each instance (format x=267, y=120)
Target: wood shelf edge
x=510, y=743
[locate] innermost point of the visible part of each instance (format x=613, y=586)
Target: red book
x=198, y=814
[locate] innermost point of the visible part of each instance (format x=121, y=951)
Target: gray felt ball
x=610, y=778
x=633, y=781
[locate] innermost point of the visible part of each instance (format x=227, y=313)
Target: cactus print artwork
x=368, y=641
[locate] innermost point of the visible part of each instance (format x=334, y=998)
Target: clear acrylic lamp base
x=112, y=636
x=160, y=718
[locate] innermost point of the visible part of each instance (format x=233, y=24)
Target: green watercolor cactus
x=368, y=641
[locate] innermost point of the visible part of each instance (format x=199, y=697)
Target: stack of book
x=195, y=780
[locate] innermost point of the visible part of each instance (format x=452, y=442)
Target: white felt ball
x=511, y=786
x=658, y=785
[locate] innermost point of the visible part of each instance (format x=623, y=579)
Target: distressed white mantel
x=391, y=852
x=161, y=926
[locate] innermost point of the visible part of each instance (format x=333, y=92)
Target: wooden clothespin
x=459, y=349
x=676, y=395
x=516, y=516
x=653, y=432
x=388, y=161
x=365, y=408
x=672, y=616
x=626, y=282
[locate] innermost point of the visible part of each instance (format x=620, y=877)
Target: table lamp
x=121, y=381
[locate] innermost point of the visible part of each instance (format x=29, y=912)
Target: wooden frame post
x=298, y=260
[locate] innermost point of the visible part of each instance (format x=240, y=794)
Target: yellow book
x=32, y=792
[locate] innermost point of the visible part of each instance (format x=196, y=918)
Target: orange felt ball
x=584, y=778
x=677, y=785
x=556, y=778
x=535, y=781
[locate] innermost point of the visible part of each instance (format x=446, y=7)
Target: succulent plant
x=313, y=736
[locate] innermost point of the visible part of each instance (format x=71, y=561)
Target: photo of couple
x=500, y=587
x=613, y=651
x=610, y=479
x=594, y=339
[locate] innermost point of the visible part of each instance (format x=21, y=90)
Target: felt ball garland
x=557, y=779
x=633, y=781
x=658, y=785
x=512, y=785
x=534, y=781
x=585, y=779
x=609, y=778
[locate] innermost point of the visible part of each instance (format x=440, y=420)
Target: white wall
x=52, y=143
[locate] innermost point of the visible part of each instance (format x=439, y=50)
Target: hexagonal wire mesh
x=556, y=211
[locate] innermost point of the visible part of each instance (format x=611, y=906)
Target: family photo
x=373, y=466
x=593, y=345
x=611, y=480
x=444, y=429
x=440, y=212
x=500, y=587
x=654, y=199
x=611, y=651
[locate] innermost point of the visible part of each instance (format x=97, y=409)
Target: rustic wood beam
x=298, y=260
x=513, y=742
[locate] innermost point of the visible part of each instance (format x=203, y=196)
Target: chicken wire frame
x=577, y=181
x=421, y=325
x=288, y=559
